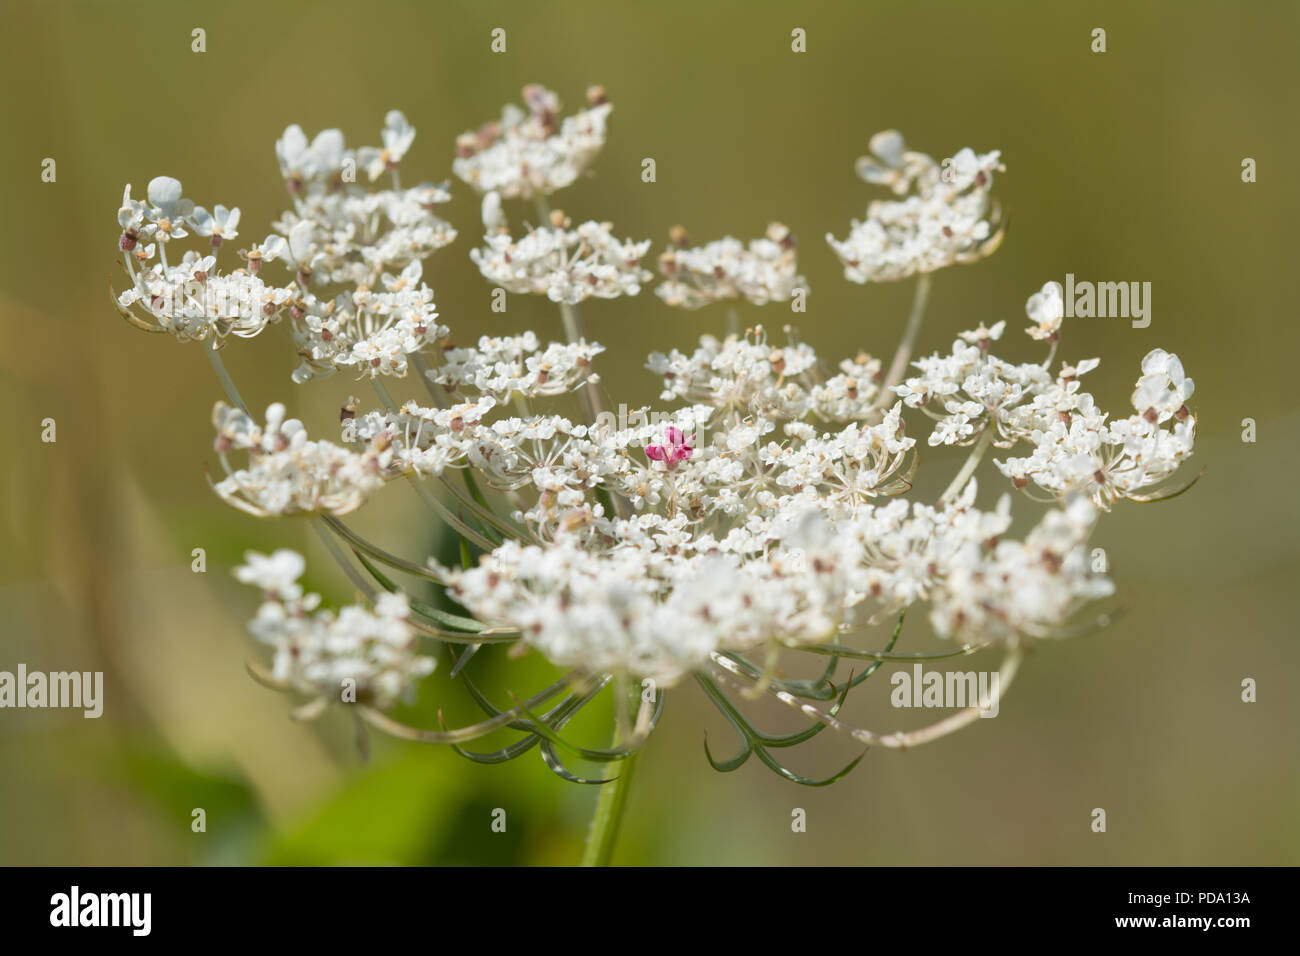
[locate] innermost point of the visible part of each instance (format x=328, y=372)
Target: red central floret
x=675, y=448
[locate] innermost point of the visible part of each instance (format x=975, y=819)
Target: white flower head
x=947, y=219
x=725, y=269
x=287, y=473
x=365, y=654
x=534, y=153
x=560, y=261
x=276, y=574
x=766, y=504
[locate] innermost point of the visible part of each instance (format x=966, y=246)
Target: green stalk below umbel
x=609, y=815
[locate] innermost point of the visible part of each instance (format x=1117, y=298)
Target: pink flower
x=674, y=449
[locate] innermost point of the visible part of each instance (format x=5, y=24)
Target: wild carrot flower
x=762, y=272
x=948, y=218
x=768, y=510
x=533, y=152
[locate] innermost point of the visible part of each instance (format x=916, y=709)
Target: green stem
x=422, y=371
x=898, y=367
x=968, y=468
x=609, y=815
x=613, y=795
x=227, y=383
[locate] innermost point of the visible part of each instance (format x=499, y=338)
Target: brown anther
x=488, y=134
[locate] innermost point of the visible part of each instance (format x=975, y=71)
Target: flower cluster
x=531, y=153
x=563, y=263
x=359, y=654
x=661, y=601
x=356, y=254
x=769, y=507
x=746, y=372
x=287, y=473
x=763, y=272
x=189, y=299
x=516, y=365
x=354, y=296
x=1077, y=448
x=945, y=220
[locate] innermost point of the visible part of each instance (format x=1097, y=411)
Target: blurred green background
x=1121, y=166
